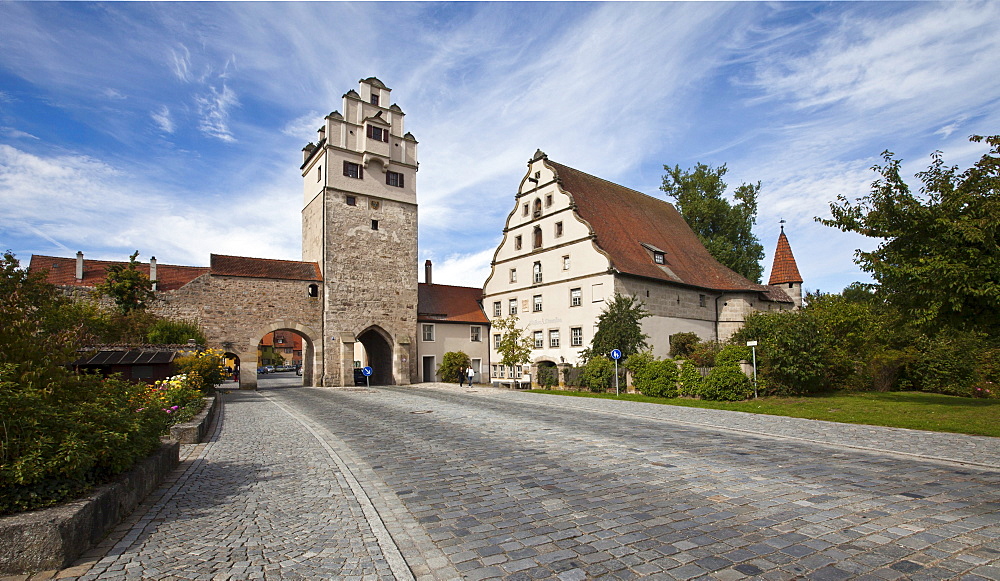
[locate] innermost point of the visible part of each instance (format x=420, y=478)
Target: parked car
x=298, y=370
x=269, y=368
x=261, y=370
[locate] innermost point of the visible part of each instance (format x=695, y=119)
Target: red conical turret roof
x=784, y=270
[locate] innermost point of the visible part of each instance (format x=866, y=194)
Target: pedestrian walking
x=470, y=373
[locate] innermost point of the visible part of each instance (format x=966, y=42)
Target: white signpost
x=616, y=354
x=753, y=348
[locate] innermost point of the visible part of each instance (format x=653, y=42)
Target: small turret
x=784, y=271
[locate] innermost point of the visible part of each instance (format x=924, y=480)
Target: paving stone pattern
x=513, y=487
x=439, y=482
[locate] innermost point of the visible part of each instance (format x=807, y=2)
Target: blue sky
x=177, y=128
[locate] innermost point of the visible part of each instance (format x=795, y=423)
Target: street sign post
x=616, y=354
x=753, y=348
x=367, y=372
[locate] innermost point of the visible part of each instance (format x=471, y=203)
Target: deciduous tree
x=725, y=229
x=130, y=289
x=619, y=326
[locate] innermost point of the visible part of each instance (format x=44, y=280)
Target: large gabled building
x=573, y=240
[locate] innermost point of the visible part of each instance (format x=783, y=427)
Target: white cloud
x=213, y=108
x=163, y=119
x=16, y=133
x=463, y=269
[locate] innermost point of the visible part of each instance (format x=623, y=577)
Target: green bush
x=598, y=374
x=733, y=355
x=205, y=369
x=682, y=345
x=174, y=332
x=548, y=376
x=704, y=353
x=726, y=383
x=657, y=379
x=947, y=363
x=689, y=380
x=453, y=366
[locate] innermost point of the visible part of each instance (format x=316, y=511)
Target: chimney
x=152, y=271
x=79, y=266
x=427, y=271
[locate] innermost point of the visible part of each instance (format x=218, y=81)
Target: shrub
x=657, y=379
x=726, y=383
x=598, y=374
x=733, y=355
x=689, y=380
x=204, y=370
x=174, y=332
x=704, y=353
x=453, y=366
x=946, y=363
x=547, y=376
x=682, y=345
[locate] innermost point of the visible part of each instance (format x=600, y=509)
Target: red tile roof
x=628, y=223
x=455, y=304
x=784, y=269
x=62, y=271
x=223, y=265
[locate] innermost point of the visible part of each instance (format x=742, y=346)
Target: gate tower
x=359, y=223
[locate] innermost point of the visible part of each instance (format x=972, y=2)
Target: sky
x=176, y=129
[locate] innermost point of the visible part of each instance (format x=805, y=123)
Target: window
x=597, y=293
x=575, y=297
x=374, y=224
x=537, y=237
x=566, y=262
x=576, y=336
x=512, y=307
x=548, y=200
x=353, y=170
x=515, y=372
x=500, y=373
x=352, y=201
x=513, y=275
x=537, y=303
x=313, y=291
x=497, y=309
x=554, y=338
x=791, y=285
x=539, y=340
x=475, y=333
x=496, y=342
x=525, y=211
x=428, y=332
x=378, y=134
x=536, y=272
x=319, y=173
x=701, y=300
x=517, y=243
x=658, y=258
x=538, y=208
x=394, y=178
x=374, y=99
x=559, y=229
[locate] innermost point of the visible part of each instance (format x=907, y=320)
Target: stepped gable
x=223, y=265
x=783, y=269
x=62, y=272
x=626, y=222
x=454, y=304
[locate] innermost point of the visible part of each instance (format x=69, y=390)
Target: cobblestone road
x=449, y=483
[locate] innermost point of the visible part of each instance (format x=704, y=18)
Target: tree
x=939, y=259
x=453, y=366
x=619, y=327
x=174, y=332
x=130, y=289
x=515, y=344
x=725, y=229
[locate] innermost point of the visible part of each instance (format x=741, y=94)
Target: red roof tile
x=784, y=269
x=223, y=265
x=629, y=225
x=62, y=271
x=456, y=304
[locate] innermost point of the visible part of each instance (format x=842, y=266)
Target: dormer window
x=378, y=133
x=658, y=258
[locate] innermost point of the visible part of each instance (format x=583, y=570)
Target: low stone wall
x=53, y=538
x=195, y=430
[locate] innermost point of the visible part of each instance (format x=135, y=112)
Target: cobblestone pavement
x=443, y=482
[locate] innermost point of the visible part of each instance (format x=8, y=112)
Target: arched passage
x=378, y=352
x=311, y=356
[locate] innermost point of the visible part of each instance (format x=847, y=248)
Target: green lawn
x=901, y=409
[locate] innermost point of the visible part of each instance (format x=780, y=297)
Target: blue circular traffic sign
x=616, y=354
x=367, y=371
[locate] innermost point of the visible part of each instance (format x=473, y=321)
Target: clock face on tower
x=375, y=204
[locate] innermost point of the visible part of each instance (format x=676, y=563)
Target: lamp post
x=753, y=349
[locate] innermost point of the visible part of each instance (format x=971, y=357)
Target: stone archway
x=312, y=352
x=378, y=348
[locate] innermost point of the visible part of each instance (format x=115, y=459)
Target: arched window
x=537, y=238
x=538, y=208
x=313, y=290
x=537, y=272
